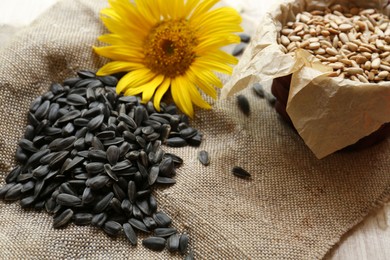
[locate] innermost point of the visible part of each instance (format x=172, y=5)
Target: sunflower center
x=169, y=48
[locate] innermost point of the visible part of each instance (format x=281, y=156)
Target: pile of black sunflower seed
x=92, y=157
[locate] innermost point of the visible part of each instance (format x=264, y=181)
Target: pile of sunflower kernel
x=355, y=42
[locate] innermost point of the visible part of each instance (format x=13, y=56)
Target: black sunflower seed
x=103, y=203
x=82, y=219
x=112, y=228
x=244, y=37
x=258, y=89
x=164, y=232
x=203, y=157
x=240, y=172
x=42, y=110
x=243, y=104
x=95, y=123
x=183, y=243
x=239, y=49
x=162, y=219
x=68, y=200
x=63, y=218
x=176, y=142
x=173, y=242
x=130, y=234
x=154, y=243
x=98, y=220
x=13, y=175
x=69, y=116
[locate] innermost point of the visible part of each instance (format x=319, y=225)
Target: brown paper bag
x=328, y=113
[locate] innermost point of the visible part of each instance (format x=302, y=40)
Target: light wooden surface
x=368, y=240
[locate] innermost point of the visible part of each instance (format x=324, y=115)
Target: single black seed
x=176, y=142
x=188, y=132
x=240, y=172
x=103, y=203
x=29, y=132
x=154, y=243
x=143, y=205
x=27, y=145
x=98, y=220
x=13, y=175
x=149, y=222
x=112, y=228
x=28, y=186
x=82, y=219
x=97, y=182
x=76, y=100
x=137, y=213
x=106, y=135
x=95, y=123
x=109, y=172
x=85, y=74
x=183, y=243
x=65, y=199
x=63, y=218
x=109, y=80
x=173, y=242
x=14, y=192
x=35, y=104
x=87, y=196
x=239, y=49
x=69, y=116
x=165, y=180
x=243, y=104
x=164, y=232
x=245, y=37
x=162, y=219
x=127, y=207
x=258, y=89
x=113, y=154
x=130, y=234
x=203, y=157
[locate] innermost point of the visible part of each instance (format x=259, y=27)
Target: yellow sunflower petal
x=160, y=92
x=190, y=6
x=143, y=7
x=150, y=88
x=184, y=95
x=216, y=42
x=134, y=78
x=116, y=39
x=130, y=13
x=181, y=97
x=196, y=97
x=118, y=66
x=203, y=7
x=206, y=76
x=220, y=17
x=213, y=65
x=176, y=9
x=116, y=52
x=204, y=86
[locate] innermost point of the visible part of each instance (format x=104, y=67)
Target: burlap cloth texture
x=294, y=207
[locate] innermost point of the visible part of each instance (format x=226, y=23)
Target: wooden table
x=368, y=240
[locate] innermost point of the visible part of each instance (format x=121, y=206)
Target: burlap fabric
x=294, y=207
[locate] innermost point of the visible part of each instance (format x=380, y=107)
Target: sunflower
x=169, y=44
